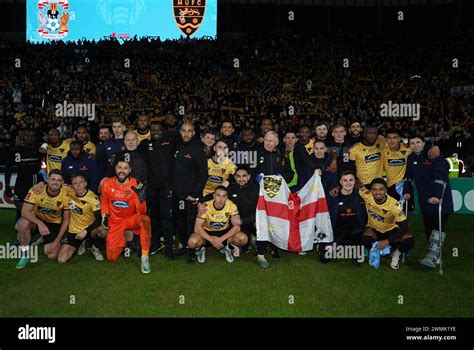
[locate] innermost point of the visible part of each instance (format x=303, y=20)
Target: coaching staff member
x=189, y=177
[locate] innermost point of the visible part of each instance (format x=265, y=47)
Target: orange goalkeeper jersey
x=120, y=201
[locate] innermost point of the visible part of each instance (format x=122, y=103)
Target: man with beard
x=28, y=162
x=189, y=178
x=123, y=209
x=105, y=133
x=132, y=155
x=157, y=153
x=355, y=132
x=83, y=136
x=143, y=128
x=322, y=131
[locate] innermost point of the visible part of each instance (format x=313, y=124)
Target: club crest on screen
x=53, y=17
x=189, y=15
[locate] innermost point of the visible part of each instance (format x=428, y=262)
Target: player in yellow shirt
x=394, y=155
x=47, y=212
x=213, y=227
x=387, y=224
x=84, y=137
x=304, y=136
x=85, y=220
x=143, y=128
x=56, y=150
x=219, y=168
x=365, y=157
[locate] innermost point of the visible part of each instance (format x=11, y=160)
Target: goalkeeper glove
x=105, y=221
x=140, y=191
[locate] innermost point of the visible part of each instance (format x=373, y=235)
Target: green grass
x=219, y=289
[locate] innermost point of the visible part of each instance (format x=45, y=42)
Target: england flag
x=293, y=221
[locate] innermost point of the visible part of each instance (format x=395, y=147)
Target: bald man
x=133, y=156
x=189, y=177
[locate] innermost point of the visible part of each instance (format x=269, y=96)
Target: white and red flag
x=293, y=221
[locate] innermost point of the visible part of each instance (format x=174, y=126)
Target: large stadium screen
x=71, y=20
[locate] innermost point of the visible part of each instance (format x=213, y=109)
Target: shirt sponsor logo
x=215, y=179
x=372, y=157
x=120, y=204
x=46, y=211
x=376, y=216
x=217, y=225
x=55, y=159
x=396, y=162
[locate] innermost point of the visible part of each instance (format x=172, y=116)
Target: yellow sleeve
x=232, y=168
x=30, y=197
x=233, y=209
x=353, y=153
x=398, y=213
x=364, y=193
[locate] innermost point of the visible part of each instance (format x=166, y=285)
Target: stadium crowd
x=186, y=129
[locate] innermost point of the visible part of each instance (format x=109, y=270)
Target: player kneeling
x=387, y=224
x=213, y=227
x=84, y=221
x=123, y=207
x=46, y=211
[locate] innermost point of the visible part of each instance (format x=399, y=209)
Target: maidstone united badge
x=271, y=185
x=53, y=17
x=189, y=15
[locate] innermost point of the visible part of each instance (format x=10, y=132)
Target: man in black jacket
x=132, y=155
x=189, y=177
x=244, y=193
x=271, y=161
x=157, y=153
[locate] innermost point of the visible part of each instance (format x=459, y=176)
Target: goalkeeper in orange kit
x=123, y=208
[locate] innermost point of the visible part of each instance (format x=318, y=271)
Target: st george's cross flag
x=293, y=221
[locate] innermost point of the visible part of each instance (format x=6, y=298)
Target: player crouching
x=123, y=208
x=213, y=227
x=387, y=224
x=84, y=220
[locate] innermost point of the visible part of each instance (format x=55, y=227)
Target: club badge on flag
x=293, y=221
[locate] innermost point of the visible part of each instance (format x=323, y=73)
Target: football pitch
x=293, y=286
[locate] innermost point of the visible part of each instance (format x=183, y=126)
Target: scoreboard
x=71, y=20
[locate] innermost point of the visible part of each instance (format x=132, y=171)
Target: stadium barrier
x=462, y=189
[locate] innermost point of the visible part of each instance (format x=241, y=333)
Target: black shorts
x=217, y=234
x=53, y=232
x=70, y=239
x=384, y=235
x=248, y=230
